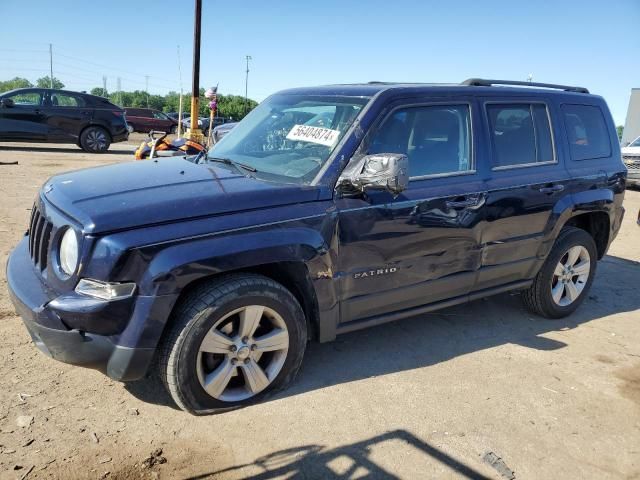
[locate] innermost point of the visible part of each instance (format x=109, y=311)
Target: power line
x=246, y=87
x=146, y=88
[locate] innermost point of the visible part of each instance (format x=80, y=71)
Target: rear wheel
x=95, y=140
x=565, y=278
x=234, y=341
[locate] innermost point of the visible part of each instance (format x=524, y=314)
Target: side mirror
x=381, y=171
x=7, y=103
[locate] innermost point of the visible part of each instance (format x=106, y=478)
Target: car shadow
x=436, y=337
x=348, y=461
x=27, y=148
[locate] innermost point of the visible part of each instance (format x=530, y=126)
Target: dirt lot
x=442, y=395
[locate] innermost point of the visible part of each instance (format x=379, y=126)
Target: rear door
x=24, y=120
x=422, y=246
x=527, y=178
x=66, y=115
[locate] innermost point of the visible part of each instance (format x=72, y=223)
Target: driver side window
x=26, y=98
x=436, y=139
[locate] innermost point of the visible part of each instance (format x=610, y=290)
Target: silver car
x=631, y=159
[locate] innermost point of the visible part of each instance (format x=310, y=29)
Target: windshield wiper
x=239, y=166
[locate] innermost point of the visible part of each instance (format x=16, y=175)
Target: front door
x=24, y=120
x=424, y=245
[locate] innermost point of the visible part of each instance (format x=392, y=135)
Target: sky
x=590, y=43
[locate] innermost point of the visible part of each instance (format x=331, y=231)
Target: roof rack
x=481, y=82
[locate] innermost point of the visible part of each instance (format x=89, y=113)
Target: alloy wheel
x=242, y=353
x=96, y=140
x=570, y=276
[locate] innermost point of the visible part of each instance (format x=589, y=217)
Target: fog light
x=104, y=290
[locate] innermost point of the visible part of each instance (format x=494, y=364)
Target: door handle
x=552, y=189
x=472, y=201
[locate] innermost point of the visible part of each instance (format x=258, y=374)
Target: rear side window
x=587, y=132
x=520, y=134
x=66, y=100
x=436, y=139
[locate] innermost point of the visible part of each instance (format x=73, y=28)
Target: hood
x=635, y=151
x=135, y=194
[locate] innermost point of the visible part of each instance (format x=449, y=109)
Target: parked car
x=221, y=130
x=214, y=272
x=148, y=119
x=61, y=116
x=203, y=123
x=631, y=159
x=176, y=115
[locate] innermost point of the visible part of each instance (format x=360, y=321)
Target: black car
x=327, y=210
x=61, y=116
x=221, y=130
x=176, y=115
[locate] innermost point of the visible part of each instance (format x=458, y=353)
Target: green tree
x=45, y=82
x=17, y=82
x=233, y=106
x=620, y=129
x=99, y=91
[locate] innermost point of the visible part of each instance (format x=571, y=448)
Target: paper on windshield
x=319, y=135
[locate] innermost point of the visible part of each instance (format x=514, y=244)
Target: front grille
x=632, y=163
x=39, y=237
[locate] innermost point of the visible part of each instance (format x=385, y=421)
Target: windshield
x=289, y=137
x=635, y=143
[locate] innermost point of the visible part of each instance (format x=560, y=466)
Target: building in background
x=632, y=123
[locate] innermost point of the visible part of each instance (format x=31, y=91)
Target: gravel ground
x=479, y=390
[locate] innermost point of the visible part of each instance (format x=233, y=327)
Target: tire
x=210, y=318
x=540, y=298
x=173, y=130
x=95, y=140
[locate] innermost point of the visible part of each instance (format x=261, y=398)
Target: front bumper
x=40, y=311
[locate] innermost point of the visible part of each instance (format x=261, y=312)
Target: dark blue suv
x=324, y=211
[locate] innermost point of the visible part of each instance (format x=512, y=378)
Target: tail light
x=117, y=113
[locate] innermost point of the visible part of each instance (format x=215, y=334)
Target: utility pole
x=195, y=134
x=180, y=102
x=50, y=65
x=246, y=86
x=119, y=88
x=104, y=86
x=146, y=88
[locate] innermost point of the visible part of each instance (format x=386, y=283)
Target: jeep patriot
x=325, y=210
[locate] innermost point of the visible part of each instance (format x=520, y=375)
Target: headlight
x=105, y=290
x=68, y=254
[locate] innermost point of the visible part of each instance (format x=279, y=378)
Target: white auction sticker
x=320, y=135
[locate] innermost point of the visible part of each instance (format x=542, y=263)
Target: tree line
x=232, y=106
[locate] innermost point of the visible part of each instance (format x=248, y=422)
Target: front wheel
x=233, y=341
x=95, y=140
x=565, y=278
